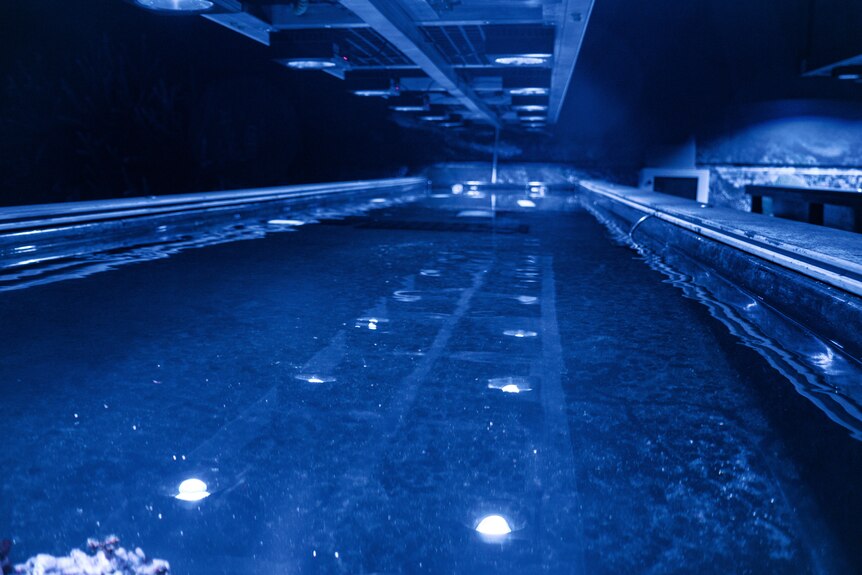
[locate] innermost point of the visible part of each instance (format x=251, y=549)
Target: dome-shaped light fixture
x=494, y=526
x=192, y=490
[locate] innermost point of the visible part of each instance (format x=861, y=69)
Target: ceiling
x=449, y=64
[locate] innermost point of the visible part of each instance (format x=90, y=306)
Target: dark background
x=102, y=99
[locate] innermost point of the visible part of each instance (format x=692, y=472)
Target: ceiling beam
x=282, y=17
x=571, y=19
x=244, y=23
x=390, y=20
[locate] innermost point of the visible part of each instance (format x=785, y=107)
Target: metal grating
x=364, y=47
x=460, y=45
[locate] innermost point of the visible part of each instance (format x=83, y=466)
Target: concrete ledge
x=17, y=218
x=58, y=239
x=809, y=273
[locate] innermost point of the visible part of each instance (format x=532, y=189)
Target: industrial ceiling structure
x=442, y=63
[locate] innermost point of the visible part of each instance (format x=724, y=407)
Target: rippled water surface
x=360, y=395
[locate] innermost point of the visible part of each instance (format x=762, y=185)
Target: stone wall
x=791, y=143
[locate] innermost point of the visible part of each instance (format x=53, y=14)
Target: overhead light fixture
x=848, y=73
x=176, y=5
x=529, y=91
x=372, y=86
x=309, y=63
x=523, y=60
x=433, y=117
x=520, y=45
x=410, y=103
x=408, y=108
x=531, y=108
x=532, y=118
x=372, y=93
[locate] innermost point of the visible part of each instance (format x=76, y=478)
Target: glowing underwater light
x=520, y=333
x=510, y=384
x=314, y=378
x=457, y=188
x=527, y=203
x=286, y=222
x=494, y=525
x=192, y=490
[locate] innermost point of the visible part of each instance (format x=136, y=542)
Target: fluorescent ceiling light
x=523, y=60
x=309, y=63
x=176, y=5
x=372, y=93
x=531, y=108
x=529, y=91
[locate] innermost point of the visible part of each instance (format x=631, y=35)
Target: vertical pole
x=494, y=161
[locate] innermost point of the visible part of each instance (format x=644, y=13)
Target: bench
x=815, y=198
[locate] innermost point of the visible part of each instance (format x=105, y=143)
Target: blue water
x=645, y=437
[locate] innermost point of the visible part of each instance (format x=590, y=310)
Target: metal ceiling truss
x=503, y=63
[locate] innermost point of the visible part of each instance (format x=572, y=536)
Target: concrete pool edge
x=51, y=242
x=16, y=218
x=773, y=259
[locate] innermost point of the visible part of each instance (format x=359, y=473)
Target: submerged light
x=527, y=203
x=520, y=333
x=286, y=222
x=314, y=378
x=176, y=5
x=510, y=384
x=192, y=490
x=494, y=525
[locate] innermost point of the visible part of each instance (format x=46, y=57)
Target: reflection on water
x=817, y=369
x=72, y=259
x=614, y=440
